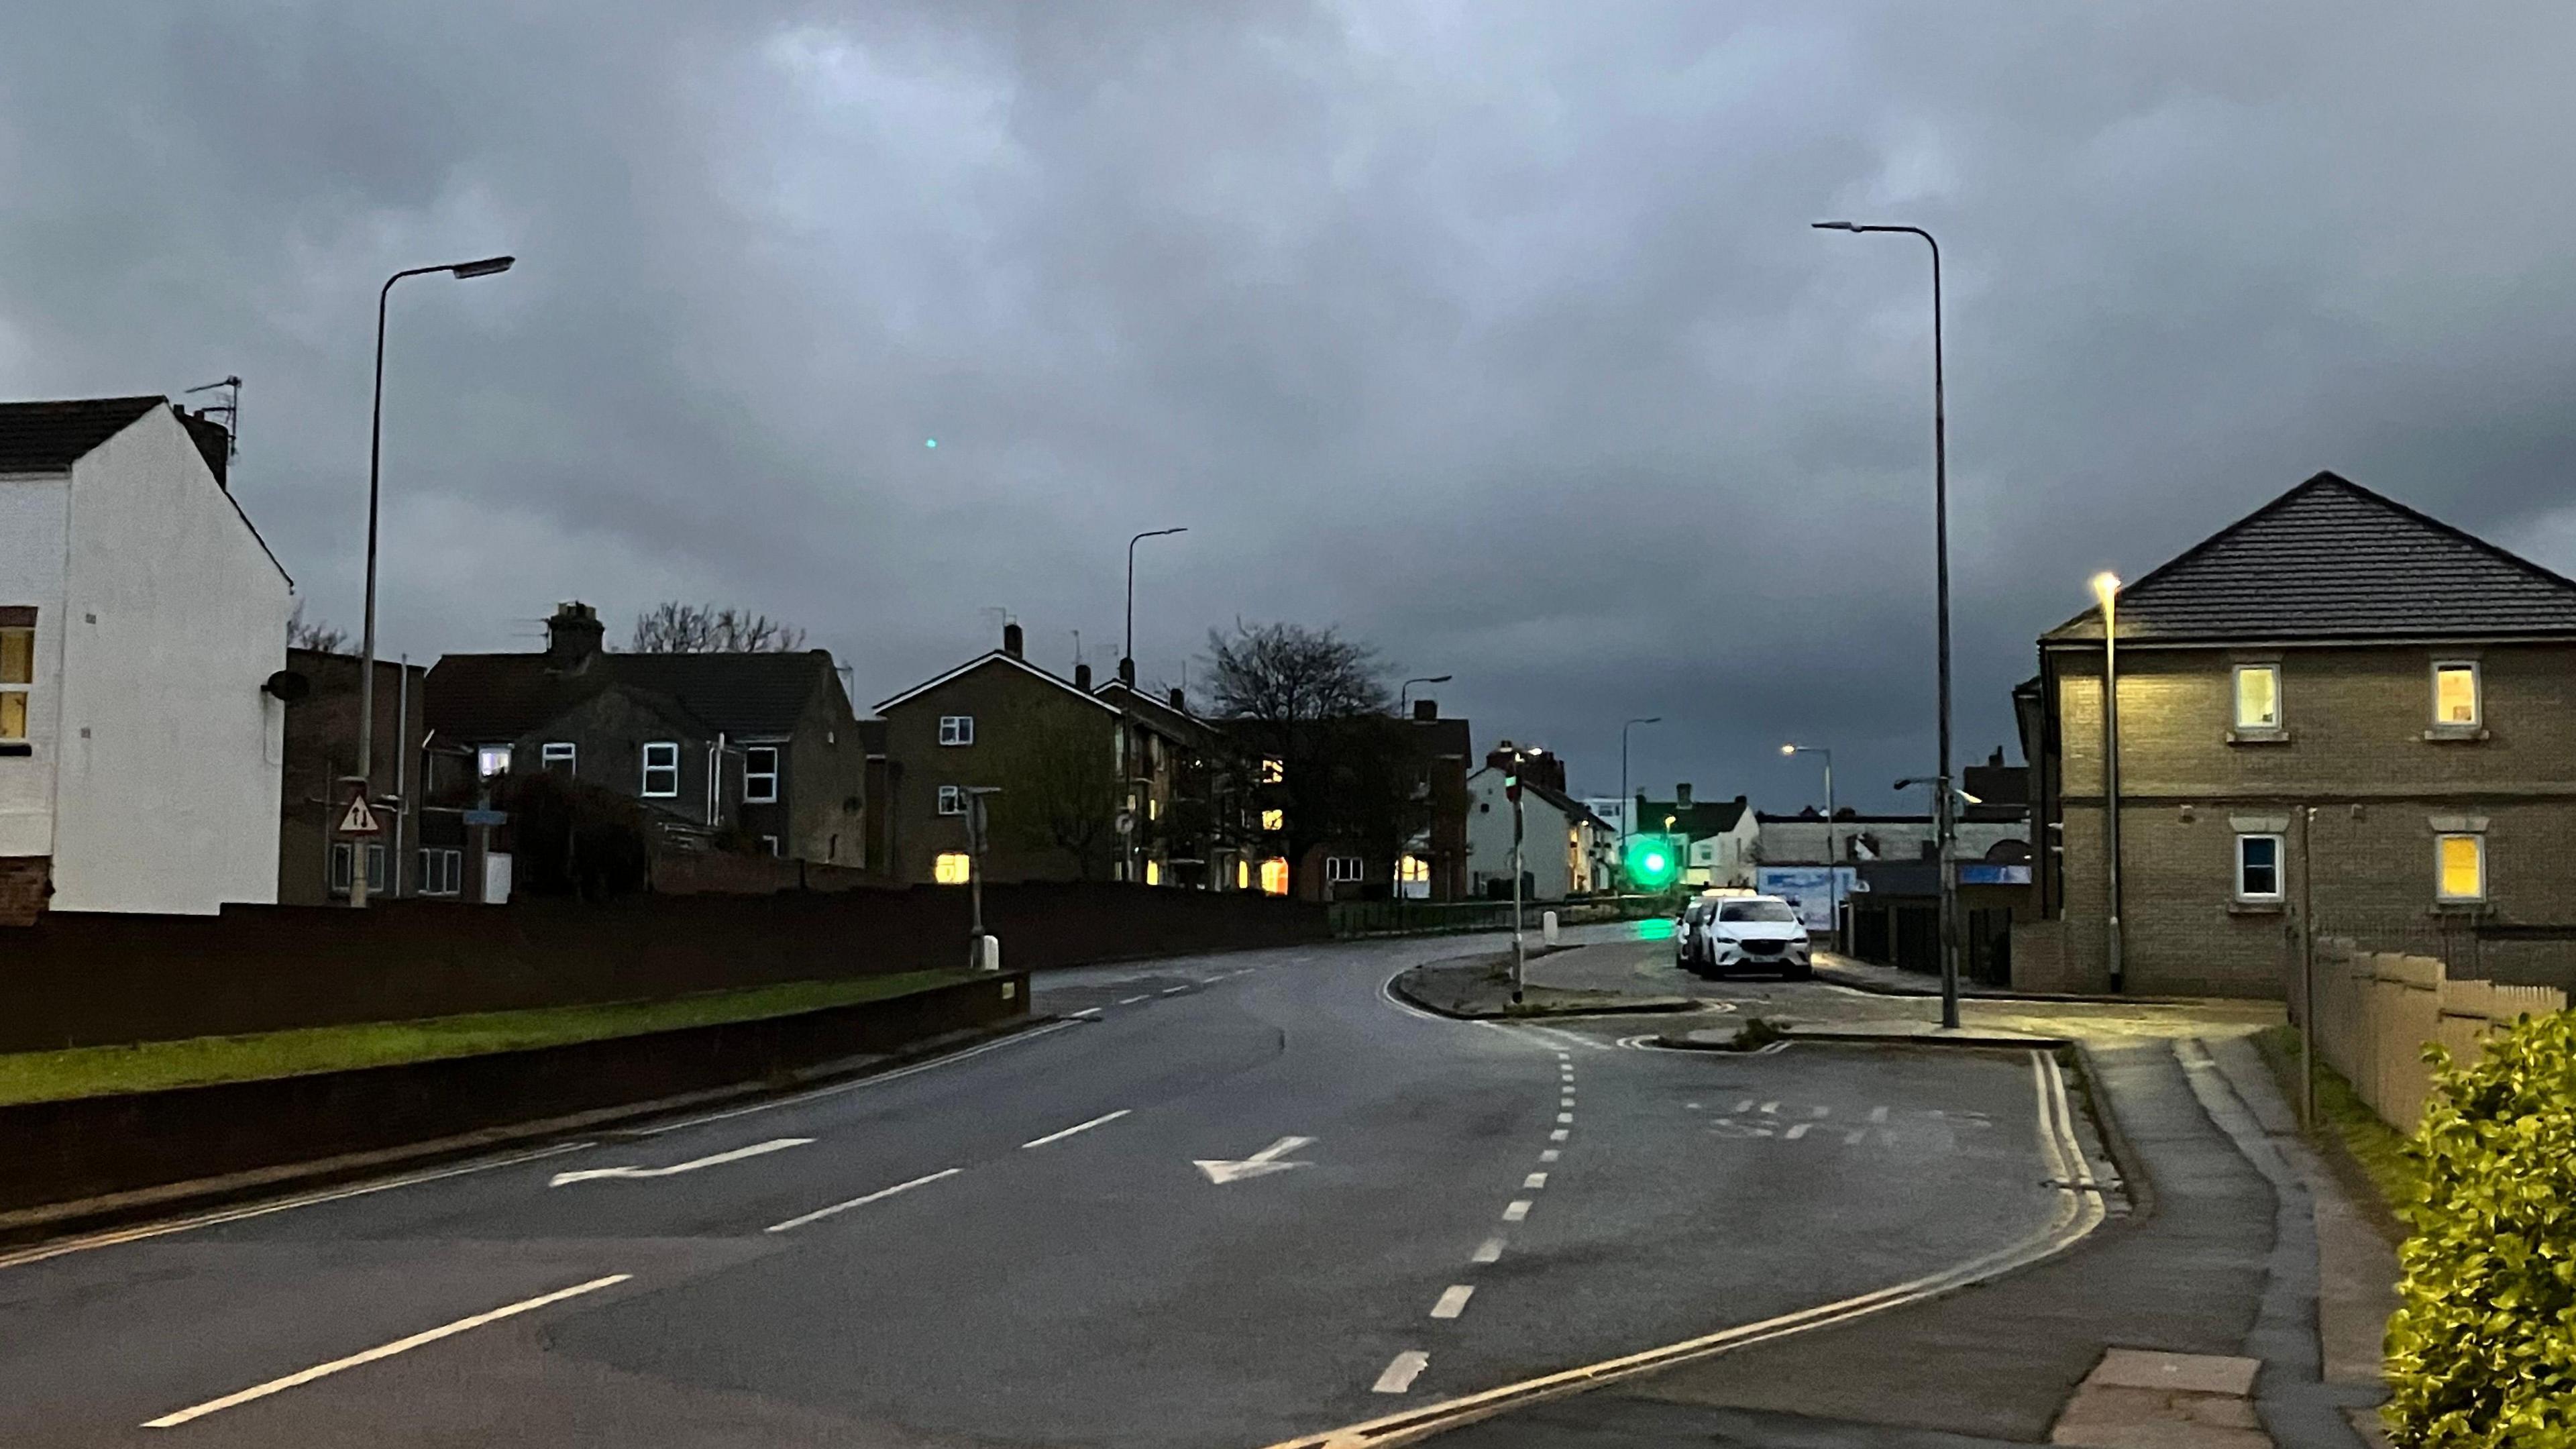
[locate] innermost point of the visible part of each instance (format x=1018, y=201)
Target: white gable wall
x=166, y=788
x=34, y=513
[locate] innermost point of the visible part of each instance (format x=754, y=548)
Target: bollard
x=1547, y=927
x=988, y=953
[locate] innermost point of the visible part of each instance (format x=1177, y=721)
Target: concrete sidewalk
x=2196, y=1322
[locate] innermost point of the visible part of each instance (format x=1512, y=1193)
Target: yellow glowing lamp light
x=950, y=868
x=2106, y=585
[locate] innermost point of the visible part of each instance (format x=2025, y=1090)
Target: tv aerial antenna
x=230, y=407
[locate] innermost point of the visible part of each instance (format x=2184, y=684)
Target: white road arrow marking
x=592, y=1174
x=1259, y=1164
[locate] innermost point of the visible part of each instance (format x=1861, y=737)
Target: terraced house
x=2335, y=681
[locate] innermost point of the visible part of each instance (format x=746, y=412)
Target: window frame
x=23, y=689
x=2477, y=695
x=952, y=800
x=749, y=775
x=343, y=861
x=644, y=787
x=441, y=871
x=956, y=730
x=1345, y=869
x=2279, y=867
x=486, y=755
x=2441, y=887
x=563, y=752
x=2236, y=698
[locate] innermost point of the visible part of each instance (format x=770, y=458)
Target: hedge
x=2482, y=1350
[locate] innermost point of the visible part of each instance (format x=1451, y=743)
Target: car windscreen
x=1755, y=911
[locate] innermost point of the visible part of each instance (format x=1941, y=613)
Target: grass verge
x=2378, y=1149
x=199, y=1061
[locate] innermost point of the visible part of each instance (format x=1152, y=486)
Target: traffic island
x=1755, y=1033
x=1479, y=988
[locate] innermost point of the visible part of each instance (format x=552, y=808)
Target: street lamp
x=1833, y=856
x=1628, y=802
x=2106, y=588
x=462, y=271
x=1944, y=816
x=1406, y=689
x=1127, y=660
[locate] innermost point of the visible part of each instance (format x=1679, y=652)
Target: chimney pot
x=1176, y=700
x=1082, y=677
x=1127, y=672
x=1681, y=793
x=1011, y=640
x=573, y=634
x=1426, y=710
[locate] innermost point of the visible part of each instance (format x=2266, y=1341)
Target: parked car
x=1731, y=934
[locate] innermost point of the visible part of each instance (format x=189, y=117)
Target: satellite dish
x=288, y=685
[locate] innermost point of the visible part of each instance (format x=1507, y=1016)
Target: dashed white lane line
x=1771, y=1109
x=1132, y=1000
x=1102, y=1119
x=1794, y=1133
x=1744, y=1106
x=1517, y=1210
x=1175, y=990
x=1453, y=1300
x=881, y=1193
x=1085, y=1014
x=387, y=1350
x=757, y=1149
x=1489, y=1250
x=1878, y=1114
x=1564, y=1119
x=1534, y=1182
x=1559, y=1135
x=1401, y=1371
x=1550, y=1155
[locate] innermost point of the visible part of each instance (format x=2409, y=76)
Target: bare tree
x=1312, y=704
x=302, y=633
x=677, y=628
x=1290, y=674
x=1060, y=790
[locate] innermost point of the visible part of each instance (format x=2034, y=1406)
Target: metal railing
x=1424, y=918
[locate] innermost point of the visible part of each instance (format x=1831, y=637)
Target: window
x=1153, y=872
x=2460, y=863
x=1274, y=820
x=1413, y=870
x=951, y=868
x=556, y=757
x=1273, y=771
x=1339, y=869
x=952, y=800
x=1154, y=807
x=2455, y=694
x=1243, y=875
x=340, y=857
x=957, y=729
x=760, y=774
x=2258, y=867
x=442, y=872
x=662, y=770
x=1770, y=912
x=2258, y=696
x=491, y=760
x=1274, y=877
x=17, y=670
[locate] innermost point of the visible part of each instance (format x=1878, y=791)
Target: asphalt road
x=1020, y=1246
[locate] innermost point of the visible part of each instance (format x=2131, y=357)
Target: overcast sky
x=1492, y=334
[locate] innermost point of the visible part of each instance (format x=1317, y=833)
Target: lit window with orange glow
x=1413, y=870
x=1274, y=820
x=2455, y=694
x=2461, y=865
x=1274, y=877
x=1153, y=872
x=1243, y=875
x=1273, y=771
x=951, y=868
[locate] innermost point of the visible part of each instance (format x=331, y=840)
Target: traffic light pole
x=1519, y=956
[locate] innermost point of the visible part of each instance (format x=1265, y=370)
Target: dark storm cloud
x=1494, y=334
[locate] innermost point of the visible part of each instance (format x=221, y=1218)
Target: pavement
x=1226, y=1201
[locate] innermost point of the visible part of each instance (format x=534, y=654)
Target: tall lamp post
x=1395, y=881
x=2106, y=587
x=1127, y=658
x=462, y=271
x=1945, y=815
x=1628, y=802
x=1833, y=856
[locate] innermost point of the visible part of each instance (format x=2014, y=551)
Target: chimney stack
x=1681, y=793
x=573, y=635
x=1127, y=672
x=1082, y=677
x=1425, y=710
x=1011, y=639
x=1177, y=703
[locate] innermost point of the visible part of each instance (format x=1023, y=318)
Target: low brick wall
x=87, y=980
x=64, y=1151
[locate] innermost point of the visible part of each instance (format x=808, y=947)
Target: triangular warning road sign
x=358, y=819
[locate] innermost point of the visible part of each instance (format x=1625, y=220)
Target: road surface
x=1234, y=1200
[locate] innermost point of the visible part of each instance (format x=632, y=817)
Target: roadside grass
x=2377, y=1148
x=198, y=1061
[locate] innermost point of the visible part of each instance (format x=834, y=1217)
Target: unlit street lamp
x=2106, y=587
x=1627, y=802
x=462, y=271
x=1833, y=867
x=1127, y=660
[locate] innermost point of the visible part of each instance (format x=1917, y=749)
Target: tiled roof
x=1004, y=658
x=489, y=697
x=40, y=437
x=2332, y=560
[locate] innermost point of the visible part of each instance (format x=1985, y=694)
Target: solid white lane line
x=757, y=1149
x=884, y=1192
x=388, y=1350
x=1175, y=990
x=1517, y=1210
x=1105, y=1117
x=1559, y=1135
x=1550, y=1155
x=1453, y=1300
x=1488, y=1250
x=1400, y=1372
x=1534, y=1182
x=1132, y=1000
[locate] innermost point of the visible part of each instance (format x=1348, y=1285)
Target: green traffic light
x=1652, y=863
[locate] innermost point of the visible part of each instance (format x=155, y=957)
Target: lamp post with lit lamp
x=1833, y=856
x=462, y=271
x=1628, y=802
x=1945, y=818
x=2106, y=587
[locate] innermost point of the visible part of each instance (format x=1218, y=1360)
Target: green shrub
x=2482, y=1351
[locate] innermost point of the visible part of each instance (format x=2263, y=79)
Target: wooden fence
x=2376, y=1012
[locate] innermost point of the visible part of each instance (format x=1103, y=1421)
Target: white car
x=1750, y=933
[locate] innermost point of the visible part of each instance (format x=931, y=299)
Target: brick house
x=757, y=748
x=313, y=862
x=1189, y=798
x=1429, y=752
x=2334, y=678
